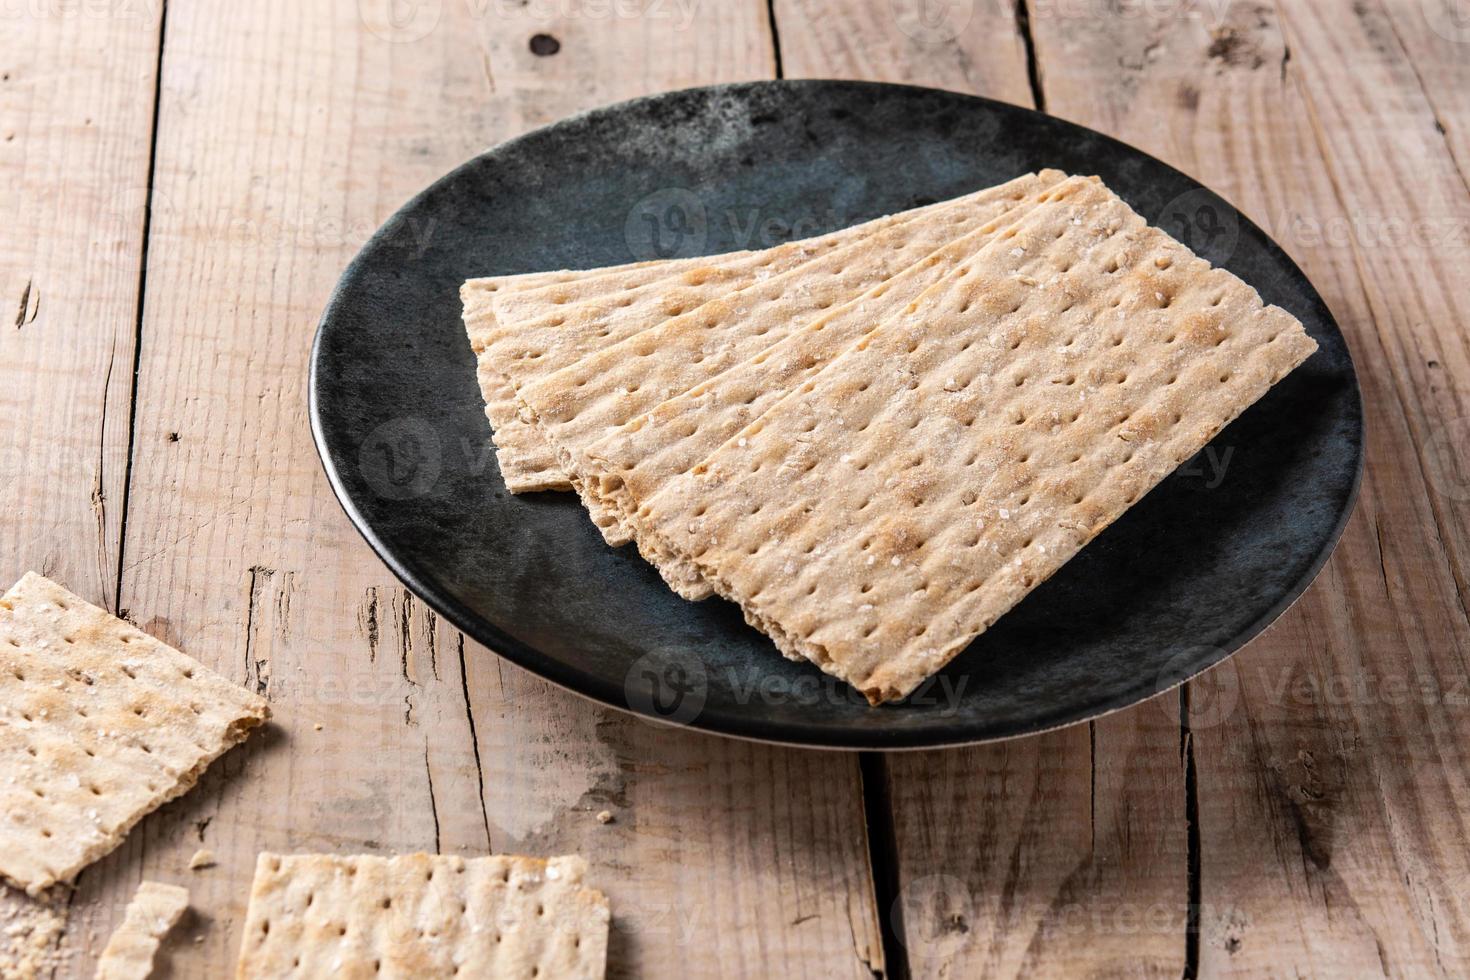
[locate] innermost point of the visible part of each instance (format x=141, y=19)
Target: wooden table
x=182, y=184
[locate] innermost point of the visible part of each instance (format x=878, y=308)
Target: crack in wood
x=1382, y=561
x=28, y=310
x=489, y=71
x=469, y=712
x=257, y=669
x=1194, y=884
x=405, y=638
x=431, y=633
x=1033, y=64
x=99, y=492
x=884, y=871
x=433, y=803
x=1092, y=787
x=779, y=69
x=368, y=620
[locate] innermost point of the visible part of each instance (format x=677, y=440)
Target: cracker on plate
x=541, y=330
x=149, y=916
x=99, y=725
x=888, y=511
x=578, y=405
x=526, y=463
x=633, y=461
x=423, y=915
x=521, y=329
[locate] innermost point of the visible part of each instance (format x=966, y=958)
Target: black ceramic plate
x=1192, y=572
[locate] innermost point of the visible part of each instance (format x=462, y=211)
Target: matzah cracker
x=521, y=334
x=548, y=320
x=544, y=329
x=634, y=461
x=423, y=915
x=890, y=510
x=579, y=405
x=525, y=333
x=99, y=725
x=149, y=916
x=526, y=463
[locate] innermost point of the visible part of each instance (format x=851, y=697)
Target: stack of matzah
x=878, y=441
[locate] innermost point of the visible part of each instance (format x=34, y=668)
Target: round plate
x=1193, y=571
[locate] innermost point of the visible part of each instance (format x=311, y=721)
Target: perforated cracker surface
x=888, y=512
x=550, y=319
x=526, y=462
x=548, y=328
x=579, y=405
x=521, y=329
x=99, y=724
x=635, y=460
x=423, y=915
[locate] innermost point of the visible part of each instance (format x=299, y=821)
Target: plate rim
x=749, y=727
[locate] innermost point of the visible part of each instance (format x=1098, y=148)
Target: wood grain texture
x=76, y=115
x=1067, y=852
x=287, y=132
x=966, y=45
x=1331, y=762
x=1307, y=820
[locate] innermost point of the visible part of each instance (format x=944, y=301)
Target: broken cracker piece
x=100, y=724
x=150, y=915
x=423, y=915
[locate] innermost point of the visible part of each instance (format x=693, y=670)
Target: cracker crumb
x=30, y=933
x=318, y=726
x=203, y=858
x=605, y=817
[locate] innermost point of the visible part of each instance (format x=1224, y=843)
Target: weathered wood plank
x=969, y=46
x=287, y=132
x=1066, y=852
x=76, y=114
x=1331, y=767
